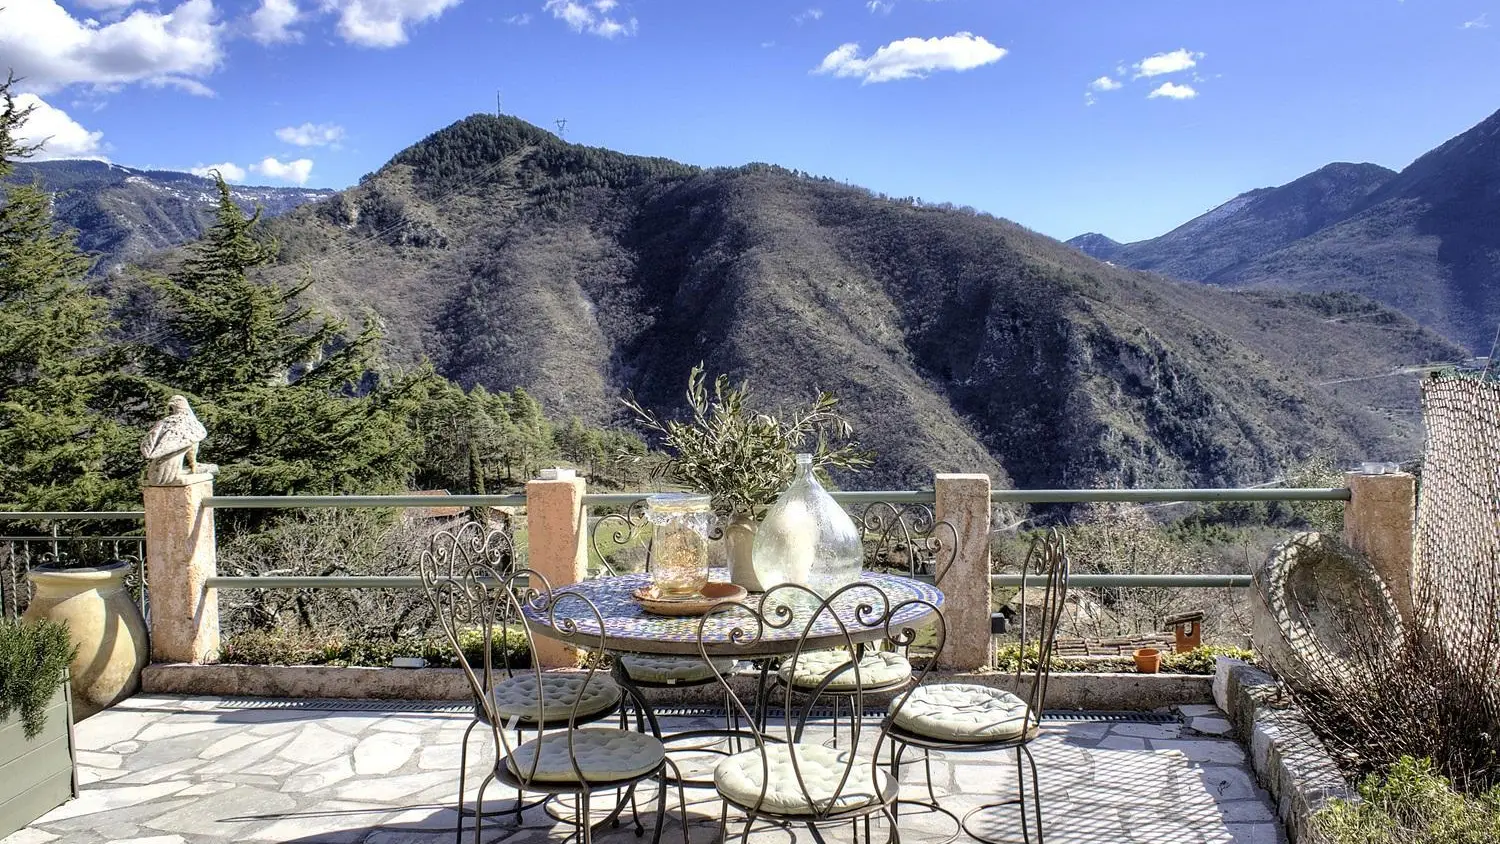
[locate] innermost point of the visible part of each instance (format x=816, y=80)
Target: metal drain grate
x=346, y=705
x=681, y=711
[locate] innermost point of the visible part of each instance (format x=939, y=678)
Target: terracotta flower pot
x=105, y=625
x=1147, y=660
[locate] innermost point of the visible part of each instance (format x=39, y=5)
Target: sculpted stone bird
x=172, y=440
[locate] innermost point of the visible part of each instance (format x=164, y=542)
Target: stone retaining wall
x=1106, y=692
x=1289, y=760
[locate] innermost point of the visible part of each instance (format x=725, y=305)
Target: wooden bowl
x=712, y=594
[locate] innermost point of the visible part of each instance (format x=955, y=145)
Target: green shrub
x=1410, y=804
x=1201, y=660
x=279, y=647
x=33, y=657
x=1198, y=661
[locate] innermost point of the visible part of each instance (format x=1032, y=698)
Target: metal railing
x=18, y=554
x=1164, y=496
x=896, y=499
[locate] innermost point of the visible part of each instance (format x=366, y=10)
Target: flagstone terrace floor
x=172, y=770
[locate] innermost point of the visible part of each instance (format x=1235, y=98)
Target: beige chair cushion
x=740, y=776
x=963, y=713
x=516, y=697
x=670, y=670
x=876, y=668
x=602, y=755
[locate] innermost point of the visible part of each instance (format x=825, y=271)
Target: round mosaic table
x=630, y=629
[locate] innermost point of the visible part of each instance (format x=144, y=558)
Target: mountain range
x=957, y=341
x=122, y=214
x=1425, y=240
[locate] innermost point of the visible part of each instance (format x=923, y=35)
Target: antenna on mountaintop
x=498, y=109
x=562, y=126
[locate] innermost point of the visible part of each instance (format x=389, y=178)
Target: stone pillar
x=557, y=541
x=1379, y=522
x=180, y=557
x=964, y=502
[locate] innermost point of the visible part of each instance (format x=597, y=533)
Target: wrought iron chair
x=782, y=778
x=478, y=600
x=965, y=718
x=906, y=539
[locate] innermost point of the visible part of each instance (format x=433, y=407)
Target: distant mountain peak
x=1095, y=245
x=1424, y=240
x=123, y=213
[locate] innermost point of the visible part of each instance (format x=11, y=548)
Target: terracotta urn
x=106, y=626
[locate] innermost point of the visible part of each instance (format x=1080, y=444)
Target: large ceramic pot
x=105, y=624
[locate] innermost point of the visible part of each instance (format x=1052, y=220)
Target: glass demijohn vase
x=678, y=559
x=807, y=538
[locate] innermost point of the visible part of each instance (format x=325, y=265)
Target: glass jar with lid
x=678, y=558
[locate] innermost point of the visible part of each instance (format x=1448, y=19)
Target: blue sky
x=998, y=104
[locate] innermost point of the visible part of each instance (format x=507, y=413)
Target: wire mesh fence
x=1457, y=568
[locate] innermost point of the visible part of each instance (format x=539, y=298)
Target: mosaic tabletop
x=629, y=628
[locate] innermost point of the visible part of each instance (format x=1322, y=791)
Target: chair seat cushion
x=603, y=755
x=516, y=697
x=739, y=779
x=876, y=668
x=671, y=670
x=961, y=712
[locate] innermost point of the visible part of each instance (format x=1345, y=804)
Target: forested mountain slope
x=958, y=342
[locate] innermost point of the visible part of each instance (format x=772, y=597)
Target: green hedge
x=1410, y=804
x=279, y=647
x=1198, y=661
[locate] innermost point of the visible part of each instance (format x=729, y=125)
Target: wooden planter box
x=37, y=775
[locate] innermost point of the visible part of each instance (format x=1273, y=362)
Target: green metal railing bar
x=904, y=496
x=279, y=502
x=50, y=538
x=1082, y=581
x=335, y=582
x=61, y=515
x=1176, y=581
x=1081, y=496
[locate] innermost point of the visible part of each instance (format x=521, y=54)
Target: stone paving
x=170, y=770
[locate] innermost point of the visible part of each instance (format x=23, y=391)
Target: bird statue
x=172, y=440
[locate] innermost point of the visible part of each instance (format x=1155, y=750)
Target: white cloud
x=289, y=171
x=1172, y=62
x=108, y=4
x=312, y=134
x=44, y=43
x=813, y=14
x=383, y=23
x=272, y=22
x=519, y=20
x=230, y=171
x=1477, y=23
x=912, y=58
x=1105, y=83
x=60, y=135
x=880, y=7
x=591, y=16
x=1171, y=90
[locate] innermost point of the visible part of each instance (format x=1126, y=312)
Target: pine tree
x=53, y=447
x=293, y=403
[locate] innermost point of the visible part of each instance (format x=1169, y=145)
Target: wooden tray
x=712, y=594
